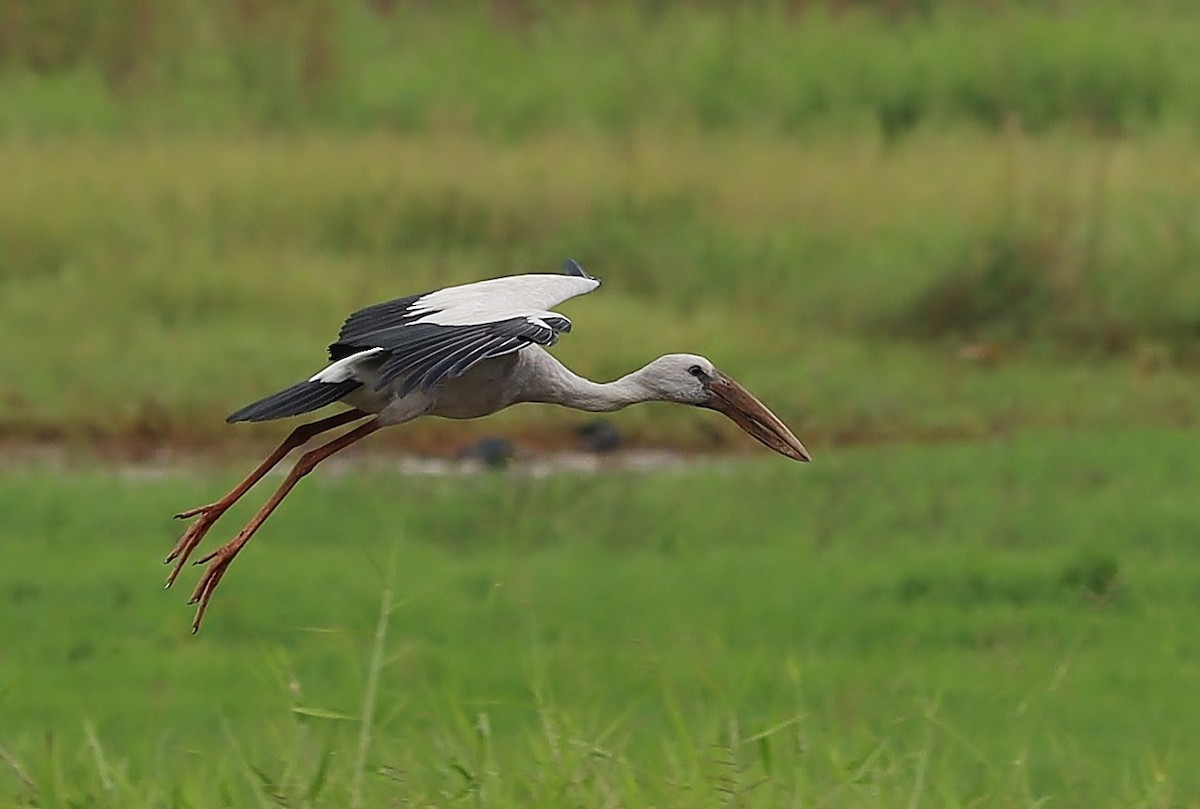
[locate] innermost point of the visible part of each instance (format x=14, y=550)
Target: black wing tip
x=242, y=414
x=303, y=397
x=558, y=323
x=572, y=267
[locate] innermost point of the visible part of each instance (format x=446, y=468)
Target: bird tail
x=302, y=397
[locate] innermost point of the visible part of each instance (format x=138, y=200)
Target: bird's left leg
x=210, y=513
x=219, y=560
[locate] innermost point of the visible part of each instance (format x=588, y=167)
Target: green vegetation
x=845, y=284
x=994, y=624
x=953, y=221
x=965, y=235
x=510, y=68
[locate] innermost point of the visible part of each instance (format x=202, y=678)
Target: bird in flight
x=461, y=352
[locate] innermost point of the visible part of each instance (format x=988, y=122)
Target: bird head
x=692, y=379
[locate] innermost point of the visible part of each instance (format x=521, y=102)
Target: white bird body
x=486, y=388
x=461, y=352
x=527, y=376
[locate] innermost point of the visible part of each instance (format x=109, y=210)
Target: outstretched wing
x=440, y=335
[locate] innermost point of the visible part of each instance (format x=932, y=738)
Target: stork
x=461, y=352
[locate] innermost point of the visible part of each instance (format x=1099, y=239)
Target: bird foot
x=192, y=512
x=192, y=536
x=218, y=562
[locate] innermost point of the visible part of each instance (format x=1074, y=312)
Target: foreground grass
x=994, y=624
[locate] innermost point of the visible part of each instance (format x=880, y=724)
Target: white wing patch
x=498, y=299
x=344, y=368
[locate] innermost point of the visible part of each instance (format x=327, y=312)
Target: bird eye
x=696, y=371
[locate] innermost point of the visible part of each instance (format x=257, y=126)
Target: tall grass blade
x=102, y=768
x=18, y=770
x=371, y=691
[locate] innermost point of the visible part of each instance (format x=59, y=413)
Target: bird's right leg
x=219, y=560
x=211, y=513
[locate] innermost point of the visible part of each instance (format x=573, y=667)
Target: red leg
x=210, y=513
x=220, y=559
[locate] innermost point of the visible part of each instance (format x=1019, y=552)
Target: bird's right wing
x=480, y=302
x=440, y=335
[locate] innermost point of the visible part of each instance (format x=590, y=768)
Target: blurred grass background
x=968, y=224
x=872, y=213
x=510, y=68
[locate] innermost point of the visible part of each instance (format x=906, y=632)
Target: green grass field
x=176, y=232
x=954, y=244
x=993, y=624
x=511, y=68
x=163, y=265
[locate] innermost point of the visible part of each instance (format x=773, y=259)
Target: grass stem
x=371, y=691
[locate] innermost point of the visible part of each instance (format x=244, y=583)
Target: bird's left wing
x=440, y=335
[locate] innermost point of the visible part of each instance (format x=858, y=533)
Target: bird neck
x=548, y=380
